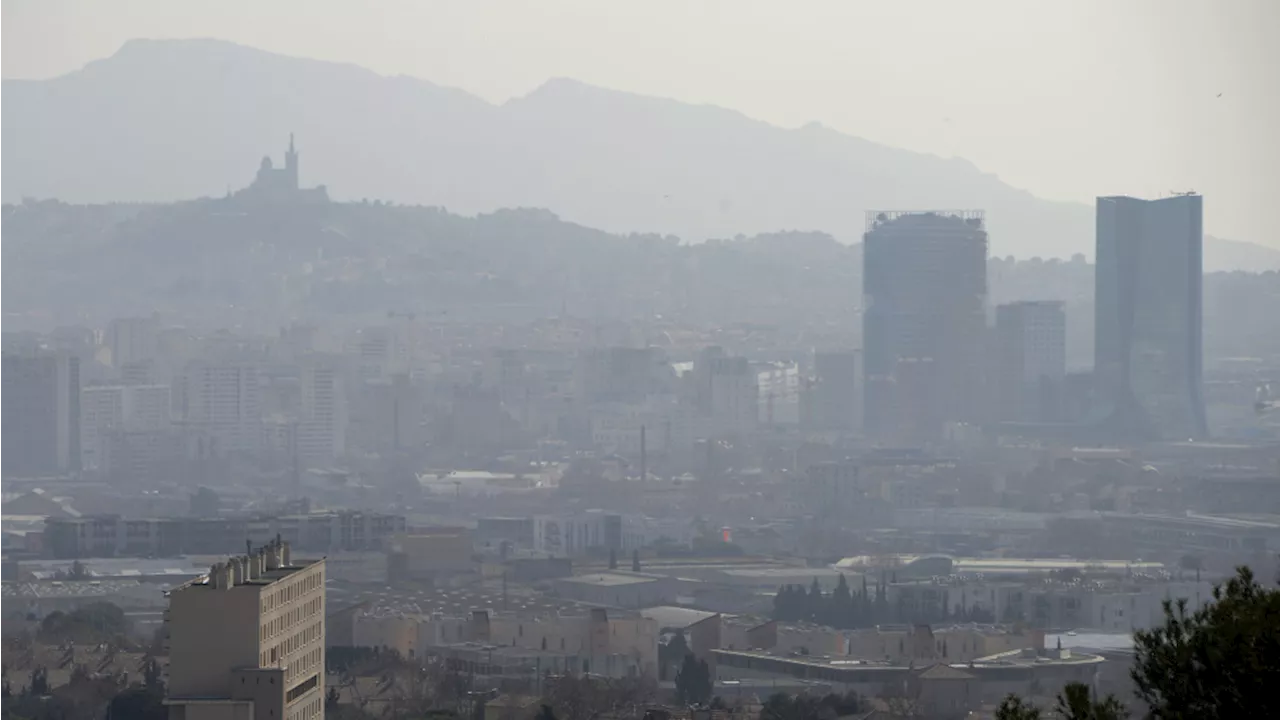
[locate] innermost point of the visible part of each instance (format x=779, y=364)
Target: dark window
x=301, y=688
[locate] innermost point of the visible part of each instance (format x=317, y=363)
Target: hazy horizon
x=1105, y=99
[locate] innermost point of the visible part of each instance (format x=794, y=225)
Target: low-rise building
x=596, y=641
x=431, y=554
x=618, y=589
x=116, y=536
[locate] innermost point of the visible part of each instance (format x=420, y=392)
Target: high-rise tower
x=1147, y=297
x=925, y=279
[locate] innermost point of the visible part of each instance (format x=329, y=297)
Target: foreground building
x=247, y=640
x=1147, y=346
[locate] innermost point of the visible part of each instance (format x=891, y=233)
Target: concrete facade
x=247, y=640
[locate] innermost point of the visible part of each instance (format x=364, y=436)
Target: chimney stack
x=214, y=575
x=237, y=571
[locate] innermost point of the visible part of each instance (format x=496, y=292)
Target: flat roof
x=1091, y=641
x=267, y=577
x=671, y=616
x=609, y=579
x=1010, y=659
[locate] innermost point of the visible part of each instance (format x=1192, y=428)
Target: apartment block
x=247, y=640
x=41, y=409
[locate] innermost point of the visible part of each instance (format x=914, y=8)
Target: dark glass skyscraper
x=1147, y=346
x=925, y=281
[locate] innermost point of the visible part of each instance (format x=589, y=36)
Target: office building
x=225, y=401
x=735, y=396
x=925, y=280
x=247, y=640
x=779, y=387
x=622, y=374
x=132, y=340
x=835, y=391
x=108, y=408
x=1147, y=346
x=1031, y=347
x=41, y=409
x=322, y=434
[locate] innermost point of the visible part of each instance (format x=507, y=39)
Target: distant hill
x=167, y=120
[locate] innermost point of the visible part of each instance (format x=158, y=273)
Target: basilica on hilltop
x=280, y=185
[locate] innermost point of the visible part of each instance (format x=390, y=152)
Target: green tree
x=1013, y=708
x=138, y=702
x=671, y=652
x=693, y=682
x=93, y=623
x=1074, y=703
x=781, y=706
x=545, y=713
x=79, y=571
x=1221, y=661
x=39, y=682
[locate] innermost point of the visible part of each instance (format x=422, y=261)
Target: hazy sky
x=1066, y=98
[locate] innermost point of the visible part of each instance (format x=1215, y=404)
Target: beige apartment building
x=246, y=641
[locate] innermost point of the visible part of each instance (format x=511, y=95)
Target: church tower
x=291, y=165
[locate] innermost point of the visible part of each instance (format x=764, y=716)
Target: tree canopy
x=693, y=682
x=95, y=622
x=1221, y=661
x=1075, y=702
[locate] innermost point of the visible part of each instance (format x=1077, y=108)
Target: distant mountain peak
x=164, y=120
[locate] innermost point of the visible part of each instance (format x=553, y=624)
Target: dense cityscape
x=279, y=455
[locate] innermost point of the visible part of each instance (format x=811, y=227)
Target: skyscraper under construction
x=924, y=317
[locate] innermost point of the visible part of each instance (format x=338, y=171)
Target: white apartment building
x=735, y=396
x=225, y=401
x=107, y=408
x=779, y=393
x=1032, y=346
x=248, y=640
x=322, y=432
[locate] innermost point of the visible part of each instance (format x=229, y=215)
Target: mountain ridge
x=163, y=120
